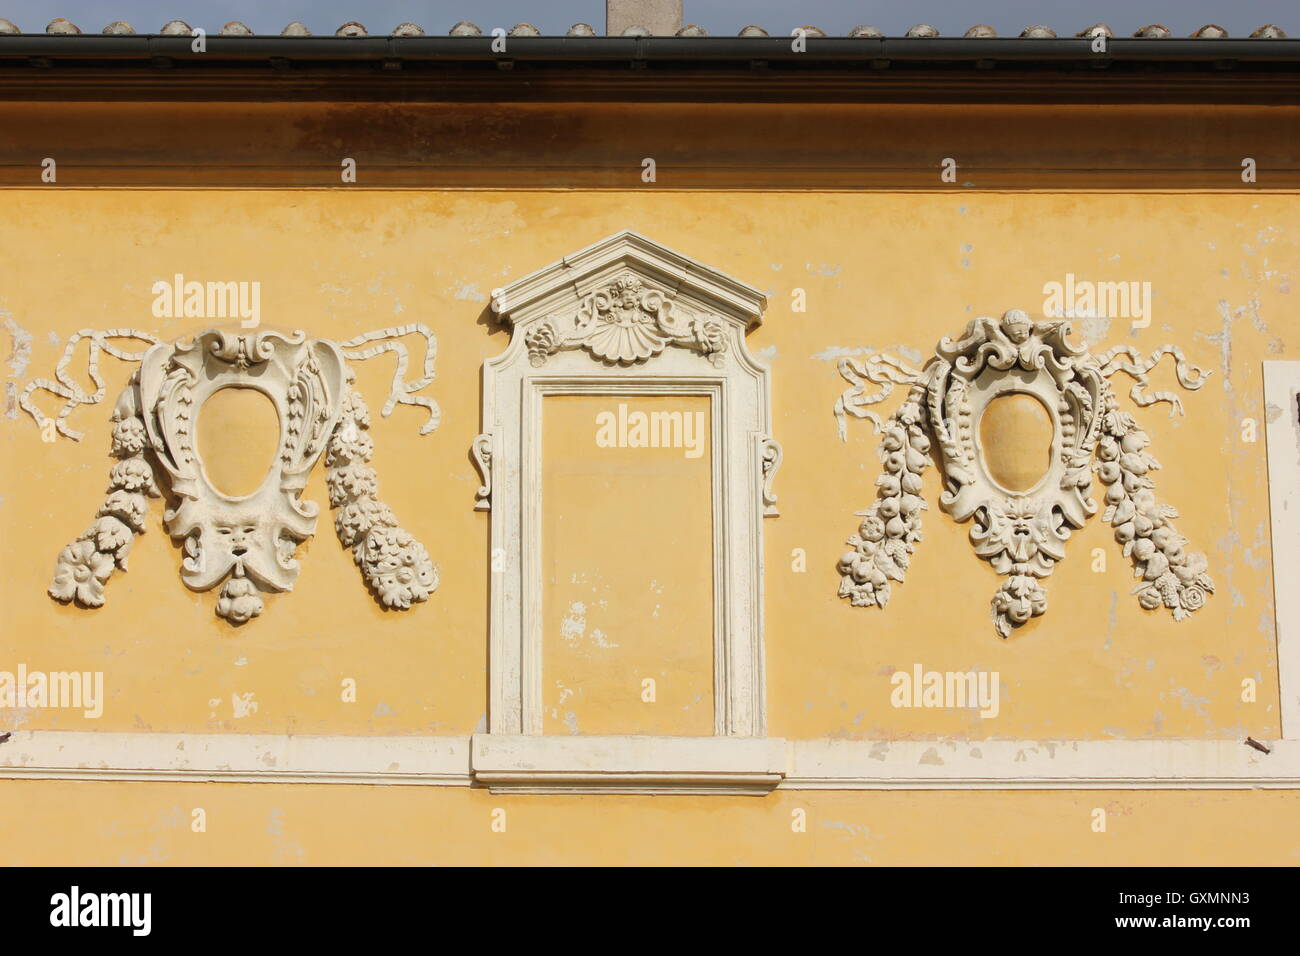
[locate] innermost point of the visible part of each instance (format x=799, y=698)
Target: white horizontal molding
x=236, y=758
x=1042, y=765
x=630, y=764
x=626, y=764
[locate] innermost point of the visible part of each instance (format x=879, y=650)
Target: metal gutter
x=689, y=50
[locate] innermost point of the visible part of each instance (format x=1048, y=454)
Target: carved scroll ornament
x=246, y=544
x=1022, y=535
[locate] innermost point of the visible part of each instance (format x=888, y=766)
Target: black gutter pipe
x=676, y=49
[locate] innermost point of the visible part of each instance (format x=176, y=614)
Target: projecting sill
x=648, y=765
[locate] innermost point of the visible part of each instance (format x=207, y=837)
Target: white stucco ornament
x=244, y=544
x=1021, y=533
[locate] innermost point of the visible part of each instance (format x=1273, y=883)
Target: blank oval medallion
x=237, y=434
x=1016, y=437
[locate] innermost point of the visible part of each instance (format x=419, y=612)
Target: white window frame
x=1282, y=433
x=516, y=384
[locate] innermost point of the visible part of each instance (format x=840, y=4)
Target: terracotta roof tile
x=1210, y=31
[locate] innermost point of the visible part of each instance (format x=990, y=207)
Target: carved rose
x=80, y=573
x=1192, y=597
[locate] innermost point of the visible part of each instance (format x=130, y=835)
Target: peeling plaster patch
x=11, y=400
x=1094, y=329
x=382, y=710
x=825, y=269
x=571, y=721
x=834, y=353
x=961, y=210
x=1223, y=339
x=777, y=266
x=1256, y=556
x=469, y=290
x=574, y=627
x=1272, y=412
x=977, y=753
x=242, y=661
x=931, y=756
x=851, y=832
x=20, y=344
x=1192, y=702
x=53, y=339
x=243, y=704
x=767, y=353
x=879, y=750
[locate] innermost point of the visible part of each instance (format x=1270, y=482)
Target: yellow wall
x=880, y=270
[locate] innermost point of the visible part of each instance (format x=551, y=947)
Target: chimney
x=660, y=17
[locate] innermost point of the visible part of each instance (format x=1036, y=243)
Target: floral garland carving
x=890, y=528
x=1021, y=535
x=247, y=543
x=86, y=564
x=394, y=564
x=1171, y=577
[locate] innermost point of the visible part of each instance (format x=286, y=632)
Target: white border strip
x=1042, y=765
x=236, y=758
x=1282, y=432
x=809, y=764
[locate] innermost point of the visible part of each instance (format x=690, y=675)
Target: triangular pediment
x=689, y=285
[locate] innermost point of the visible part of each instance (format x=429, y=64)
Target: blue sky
x=724, y=17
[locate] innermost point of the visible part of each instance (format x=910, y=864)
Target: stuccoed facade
x=405, y=584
